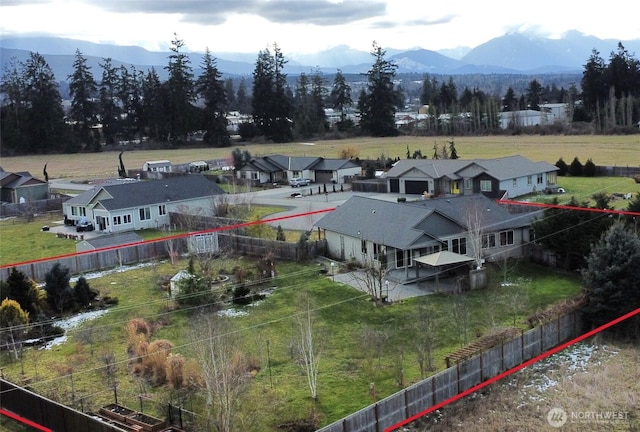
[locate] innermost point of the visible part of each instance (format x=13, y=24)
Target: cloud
x=206, y=12
x=387, y=24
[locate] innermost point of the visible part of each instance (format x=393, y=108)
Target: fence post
x=541, y=338
x=458, y=376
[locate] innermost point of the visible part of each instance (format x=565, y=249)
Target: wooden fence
x=32, y=207
x=460, y=377
x=108, y=258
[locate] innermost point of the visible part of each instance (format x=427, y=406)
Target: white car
x=297, y=182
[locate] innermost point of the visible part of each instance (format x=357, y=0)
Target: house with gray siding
x=506, y=177
x=378, y=232
x=138, y=204
x=17, y=187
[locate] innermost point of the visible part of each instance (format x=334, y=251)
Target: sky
x=309, y=26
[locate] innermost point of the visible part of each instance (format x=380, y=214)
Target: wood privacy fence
x=460, y=377
x=114, y=257
x=32, y=207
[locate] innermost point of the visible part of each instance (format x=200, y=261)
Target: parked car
x=297, y=182
x=84, y=226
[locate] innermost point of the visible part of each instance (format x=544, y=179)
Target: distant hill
x=509, y=54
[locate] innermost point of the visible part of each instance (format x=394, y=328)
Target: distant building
x=157, y=165
x=21, y=187
x=526, y=118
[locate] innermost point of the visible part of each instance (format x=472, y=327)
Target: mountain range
x=512, y=53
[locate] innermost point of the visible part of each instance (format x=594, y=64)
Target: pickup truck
x=297, y=182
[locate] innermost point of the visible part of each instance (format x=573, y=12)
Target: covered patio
x=437, y=268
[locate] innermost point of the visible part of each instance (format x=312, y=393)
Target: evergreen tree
x=211, y=88
x=231, y=101
x=575, y=168
x=611, y=277
x=59, y=292
x=453, y=153
x=341, y=96
x=109, y=110
x=82, y=293
x=153, y=114
x=13, y=110
x=83, y=88
x=23, y=290
x=589, y=168
x=44, y=121
x=243, y=101
x=130, y=96
x=510, y=101
x=378, y=104
x=180, y=93
x=562, y=167
x=534, y=92
x=594, y=86
x=280, y=234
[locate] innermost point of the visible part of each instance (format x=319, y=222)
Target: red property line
x=177, y=236
x=24, y=420
x=566, y=207
x=514, y=369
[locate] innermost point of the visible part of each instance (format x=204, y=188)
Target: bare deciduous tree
x=424, y=339
x=308, y=345
x=372, y=278
x=475, y=221
x=224, y=369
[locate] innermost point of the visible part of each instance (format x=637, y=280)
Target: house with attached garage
x=137, y=204
x=279, y=168
x=506, y=177
x=399, y=235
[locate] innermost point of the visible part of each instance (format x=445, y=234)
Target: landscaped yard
x=359, y=343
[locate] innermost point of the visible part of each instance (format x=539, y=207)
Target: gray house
x=376, y=232
x=132, y=205
x=506, y=177
x=278, y=168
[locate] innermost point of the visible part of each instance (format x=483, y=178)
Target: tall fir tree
x=378, y=104
x=83, y=90
x=341, y=96
x=211, y=88
x=181, y=94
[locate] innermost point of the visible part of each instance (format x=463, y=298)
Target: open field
x=623, y=150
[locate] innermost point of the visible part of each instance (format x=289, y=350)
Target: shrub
x=575, y=169
x=589, y=169
x=563, y=167
x=175, y=370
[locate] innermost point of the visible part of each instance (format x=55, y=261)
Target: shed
x=157, y=165
x=105, y=241
x=198, y=166
x=175, y=281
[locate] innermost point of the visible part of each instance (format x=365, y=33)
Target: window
x=468, y=184
x=74, y=211
x=162, y=210
x=145, y=213
x=506, y=238
x=117, y=220
x=529, y=180
x=539, y=178
x=126, y=219
x=488, y=241
x=515, y=182
x=552, y=177
x=378, y=249
x=485, y=185
x=363, y=247
x=459, y=246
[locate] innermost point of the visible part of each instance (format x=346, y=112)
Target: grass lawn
x=359, y=343
x=583, y=188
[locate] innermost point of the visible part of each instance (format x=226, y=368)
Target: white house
x=157, y=165
x=142, y=204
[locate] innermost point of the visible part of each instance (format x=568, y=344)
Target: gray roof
x=142, y=193
x=277, y=163
x=407, y=225
x=114, y=240
x=501, y=168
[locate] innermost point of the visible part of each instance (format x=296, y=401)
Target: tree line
x=127, y=104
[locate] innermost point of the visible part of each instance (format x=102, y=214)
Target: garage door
x=416, y=187
x=324, y=176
